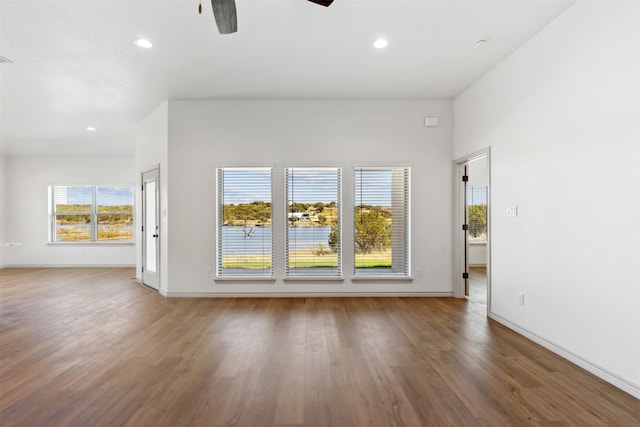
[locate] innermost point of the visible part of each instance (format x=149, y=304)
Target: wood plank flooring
x=88, y=347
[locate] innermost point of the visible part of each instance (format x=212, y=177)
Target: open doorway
x=472, y=228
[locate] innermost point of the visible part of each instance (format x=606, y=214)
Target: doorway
x=151, y=228
x=472, y=241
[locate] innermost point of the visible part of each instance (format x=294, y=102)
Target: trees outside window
x=477, y=212
x=381, y=221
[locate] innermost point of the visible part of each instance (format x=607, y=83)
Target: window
x=244, y=222
x=381, y=221
x=91, y=213
x=477, y=212
x=313, y=222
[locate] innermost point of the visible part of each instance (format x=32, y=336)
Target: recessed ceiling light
x=143, y=43
x=91, y=129
x=380, y=44
x=481, y=43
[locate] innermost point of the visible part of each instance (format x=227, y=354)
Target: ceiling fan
x=225, y=13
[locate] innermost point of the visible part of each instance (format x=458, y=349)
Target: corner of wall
x=566, y=101
x=152, y=141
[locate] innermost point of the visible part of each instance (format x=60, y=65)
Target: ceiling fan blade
x=225, y=13
x=322, y=2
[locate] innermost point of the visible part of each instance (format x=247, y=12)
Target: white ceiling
x=75, y=64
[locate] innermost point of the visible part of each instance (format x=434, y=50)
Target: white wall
x=151, y=153
x=562, y=118
x=477, y=254
x=207, y=134
x=27, y=210
x=4, y=189
x=478, y=173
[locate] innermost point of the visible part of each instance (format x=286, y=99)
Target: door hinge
x=142, y=187
x=142, y=268
x=465, y=178
x=142, y=228
x=465, y=227
x=465, y=275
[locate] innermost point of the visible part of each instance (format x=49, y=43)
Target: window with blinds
x=477, y=212
x=91, y=213
x=381, y=221
x=244, y=222
x=313, y=246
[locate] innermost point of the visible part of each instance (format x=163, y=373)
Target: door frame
x=156, y=283
x=459, y=207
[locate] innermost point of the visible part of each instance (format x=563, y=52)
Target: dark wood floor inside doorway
x=91, y=347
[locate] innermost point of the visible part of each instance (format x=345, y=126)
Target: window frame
x=337, y=272
x=358, y=274
x=219, y=274
x=94, y=214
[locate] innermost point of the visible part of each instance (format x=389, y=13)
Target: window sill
x=477, y=243
x=313, y=279
x=90, y=244
x=222, y=279
x=382, y=278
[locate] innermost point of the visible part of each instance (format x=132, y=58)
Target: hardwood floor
x=478, y=287
x=87, y=347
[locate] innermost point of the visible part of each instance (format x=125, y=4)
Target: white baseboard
x=600, y=372
x=69, y=266
x=301, y=294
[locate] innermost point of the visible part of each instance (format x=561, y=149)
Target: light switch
x=512, y=211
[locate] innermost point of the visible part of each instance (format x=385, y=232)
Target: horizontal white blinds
x=244, y=222
x=381, y=219
x=313, y=242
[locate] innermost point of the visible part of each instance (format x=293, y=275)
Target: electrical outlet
x=521, y=298
x=208, y=272
x=418, y=272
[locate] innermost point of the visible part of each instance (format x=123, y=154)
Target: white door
x=151, y=229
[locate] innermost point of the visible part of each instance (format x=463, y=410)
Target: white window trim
x=244, y=279
x=334, y=279
x=380, y=278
